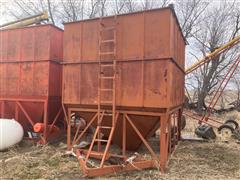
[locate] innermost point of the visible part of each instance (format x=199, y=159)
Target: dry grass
x=33, y=162
x=232, y=115
x=192, y=160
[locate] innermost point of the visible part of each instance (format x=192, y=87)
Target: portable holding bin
x=124, y=75
x=30, y=78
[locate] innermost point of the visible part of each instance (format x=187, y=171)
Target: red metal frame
x=170, y=133
x=31, y=79
x=49, y=132
x=206, y=117
x=220, y=89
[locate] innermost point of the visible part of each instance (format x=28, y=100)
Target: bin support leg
x=124, y=136
x=69, y=130
x=163, y=142
x=179, y=123
x=45, y=121
x=2, y=109
x=16, y=112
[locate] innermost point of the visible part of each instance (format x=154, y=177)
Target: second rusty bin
x=30, y=78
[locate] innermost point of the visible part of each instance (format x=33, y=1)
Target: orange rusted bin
x=31, y=75
x=150, y=55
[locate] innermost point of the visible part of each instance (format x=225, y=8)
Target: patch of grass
x=53, y=162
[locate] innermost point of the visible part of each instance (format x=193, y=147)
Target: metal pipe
x=26, y=21
x=209, y=56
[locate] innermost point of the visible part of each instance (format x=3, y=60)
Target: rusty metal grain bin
x=153, y=35
x=31, y=75
x=150, y=65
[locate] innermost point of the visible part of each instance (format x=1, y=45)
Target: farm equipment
x=36, y=19
x=206, y=122
x=30, y=77
x=121, y=76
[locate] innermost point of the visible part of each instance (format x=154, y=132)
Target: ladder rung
x=106, y=89
x=108, y=28
x=110, y=61
x=108, y=41
x=107, y=77
x=106, y=102
x=106, y=65
x=101, y=140
x=109, y=114
x=107, y=53
x=105, y=127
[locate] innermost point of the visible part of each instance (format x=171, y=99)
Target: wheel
x=232, y=123
x=226, y=131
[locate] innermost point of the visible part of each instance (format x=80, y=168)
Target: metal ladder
x=110, y=65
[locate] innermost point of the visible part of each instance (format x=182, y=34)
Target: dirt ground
x=192, y=160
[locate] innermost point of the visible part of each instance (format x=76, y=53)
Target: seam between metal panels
x=127, y=60
x=54, y=61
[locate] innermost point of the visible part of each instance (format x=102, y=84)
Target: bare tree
x=70, y=10
x=119, y=6
x=190, y=15
x=220, y=24
x=50, y=11
x=73, y=10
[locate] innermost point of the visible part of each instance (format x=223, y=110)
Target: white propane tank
x=11, y=133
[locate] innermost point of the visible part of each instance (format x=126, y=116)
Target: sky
x=4, y=18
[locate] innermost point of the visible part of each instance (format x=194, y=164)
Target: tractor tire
x=233, y=123
x=225, y=126
x=226, y=131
